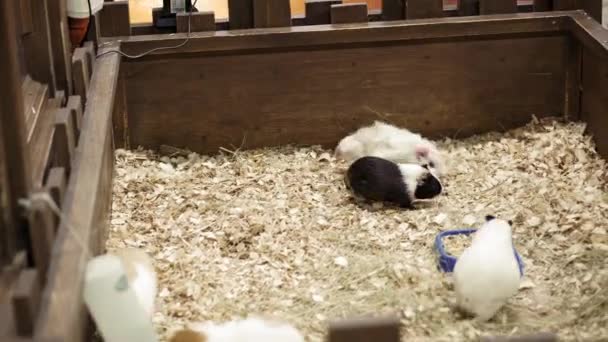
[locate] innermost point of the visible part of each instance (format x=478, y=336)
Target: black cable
x=155, y=49
x=90, y=16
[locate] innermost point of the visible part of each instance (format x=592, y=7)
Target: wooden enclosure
x=260, y=78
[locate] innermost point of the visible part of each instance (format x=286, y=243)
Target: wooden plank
x=271, y=13
x=26, y=301
x=25, y=10
x=114, y=19
x=297, y=96
x=422, y=9
x=318, y=12
x=349, y=13
x=540, y=337
x=61, y=44
x=37, y=47
x=35, y=97
x=42, y=234
x=566, y=5
x=365, y=329
x=75, y=106
x=199, y=22
x=542, y=5
x=572, y=101
x=40, y=144
x=497, y=6
x=393, y=9
x=468, y=7
x=64, y=141
x=85, y=207
x=80, y=73
x=240, y=14
x=374, y=32
x=55, y=185
x=13, y=124
x=595, y=9
x=595, y=99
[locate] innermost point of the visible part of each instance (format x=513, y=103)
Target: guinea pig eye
x=431, y=164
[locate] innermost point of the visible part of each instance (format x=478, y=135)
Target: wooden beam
x=271, y=13
x=240, y=14
x=422, y=9
x=114, y=19
x=26, y=301
x=13, y=125
x=199, y=22
x=365, y=329
x=497, y=6
x=318, y=12
x=393, y=9
x=540, y=337
x=349, y=13
x=61, y=44
x=85, y=208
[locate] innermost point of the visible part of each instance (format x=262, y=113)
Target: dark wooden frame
x=112, y=109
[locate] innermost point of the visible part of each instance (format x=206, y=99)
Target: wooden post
x=75, y=106
x=61, y=44
x=199, y=22
x=349, y=13
x=14, y=148
x=240, y=14
x=497, y=6
x=26, y=301
x=114, y=19
x=318, y=12
x=393, y=9
x=365, y=329
x=80, y=73
x=64, y=140
x=42, y=235
x=271, y=13
x=422, y=9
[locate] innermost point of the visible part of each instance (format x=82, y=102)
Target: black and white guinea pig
x=378, y=179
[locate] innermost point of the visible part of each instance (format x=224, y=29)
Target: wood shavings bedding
x=274, y=232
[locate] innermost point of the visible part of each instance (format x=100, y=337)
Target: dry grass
x=273, y=231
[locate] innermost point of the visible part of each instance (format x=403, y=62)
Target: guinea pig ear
x=422, y=151
x=490, y=217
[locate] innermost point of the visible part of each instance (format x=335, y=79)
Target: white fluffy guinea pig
x=245, y=330
x=141, y=275
x=390, y=142
x=487, y=274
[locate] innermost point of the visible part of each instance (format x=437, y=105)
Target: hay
x=274, y=232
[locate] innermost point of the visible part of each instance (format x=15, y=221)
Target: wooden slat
x=114, y=19
x=120, y=117
x=349, y=13
x=318, y=12
x=13, y=125
x=540, y=337
x=566, y=5
x=42, y=234
x=80, y=73
x=468, y=7
x=55, y=185
x=497, y=6
x=240, y=14
x=75, y=106
x=35, y=97
x=542, y=5
x=37, y=46
x=26, y=301
x=86, y=207
x=64, y=140
x=271, y=13
x=421, y=9
x=61, y=44
x=199, y=21
x=365, y=329
x=374, y=32
x=393, y=9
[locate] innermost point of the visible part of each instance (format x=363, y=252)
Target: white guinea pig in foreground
x=487, y=274
x=390, y=142
x=378, y=179
x=246, y=330
x=142, y=277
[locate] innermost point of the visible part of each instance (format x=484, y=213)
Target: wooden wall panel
x=315, y=97
x=594, y=100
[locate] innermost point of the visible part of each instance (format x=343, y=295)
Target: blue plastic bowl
x=447, y=261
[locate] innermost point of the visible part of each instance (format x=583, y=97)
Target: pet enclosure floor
x=274, y=232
